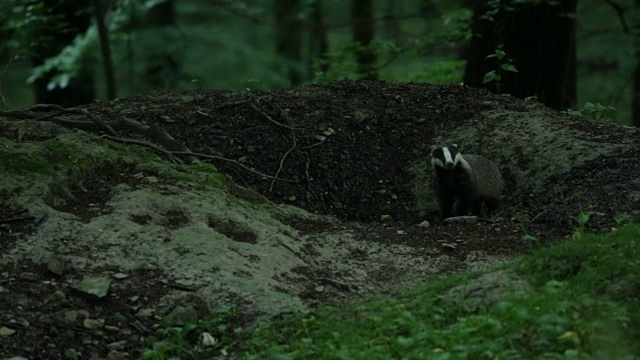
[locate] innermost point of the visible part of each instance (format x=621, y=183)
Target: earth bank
x=352, y=154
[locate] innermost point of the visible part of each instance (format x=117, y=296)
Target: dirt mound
x=354, y=149
x=341, y=149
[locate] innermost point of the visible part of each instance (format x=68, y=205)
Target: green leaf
x=509, y=67
x=622, y=218
x=500, y=54
x=490, y=76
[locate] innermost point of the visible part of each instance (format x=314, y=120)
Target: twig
x=16, y=213
x=145, y=144
x=16, y=219
x=6, y=67
x=254, y=107
x=537, y=216
x=306, y=173
x=620, y=11
x=313, y=145
x=233, y=162
x=284, y=157
x=177, y=286
x=60, y=110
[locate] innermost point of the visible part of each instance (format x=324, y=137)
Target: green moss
x=19, y=163
x=198, y=174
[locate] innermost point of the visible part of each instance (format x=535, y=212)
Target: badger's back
x=486, y=177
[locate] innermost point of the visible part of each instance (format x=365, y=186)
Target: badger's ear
x=455, y=146
x=433, y=149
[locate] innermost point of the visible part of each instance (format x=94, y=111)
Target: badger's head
x=445, y=157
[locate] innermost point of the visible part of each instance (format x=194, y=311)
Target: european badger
x=466, y=181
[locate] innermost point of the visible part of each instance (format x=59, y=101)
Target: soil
x=339, y=149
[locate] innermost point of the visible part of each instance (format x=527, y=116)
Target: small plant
x=596, y=111
x=533, y=241
x=504, y=64
x=622, y=219
x=185, y=342
x=580, y=221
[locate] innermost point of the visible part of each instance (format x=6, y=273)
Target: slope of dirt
x=354, y=150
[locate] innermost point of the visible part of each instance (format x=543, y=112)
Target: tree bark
x=81, y=88
x=319, y=43
x=540, y=38
x=363, y=31
x=162, y=68
x=105, y=49
x=289, y=38
x=635, y=97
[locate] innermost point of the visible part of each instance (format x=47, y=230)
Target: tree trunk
x=81, y=88
x=289, y=38
x=391, y=23
x=162, y=68
x=363, y=32
x=540, y=38
x=105, y=49
x=635, y=97
x=319, y=44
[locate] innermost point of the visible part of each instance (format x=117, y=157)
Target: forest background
x=580, y=55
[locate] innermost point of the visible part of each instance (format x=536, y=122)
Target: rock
x=120, y=276
x=22, y=322
x=425, y=224
x=71, y=317
x=71, y=353
x=206, y=340
x=92, y=288
x=5, y=331
x=56, y=264
x=57, y=296
x=180, y=315
x=117, y=355
x=119, y=345
x=92, y=324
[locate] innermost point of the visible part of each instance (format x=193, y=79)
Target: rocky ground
x=347, y=149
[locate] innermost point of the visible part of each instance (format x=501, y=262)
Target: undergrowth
x=581, y=300
x=583, y=304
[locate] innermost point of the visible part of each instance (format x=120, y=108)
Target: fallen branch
x=145, y=144
x=233, y=162
x=254, y=107
x=60, y=110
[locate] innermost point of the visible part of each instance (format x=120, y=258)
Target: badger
x=464, y=182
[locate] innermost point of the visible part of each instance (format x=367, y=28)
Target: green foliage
x=579, y=221
x=503, y=64
x=584, y=305
x=595, y=111
x=28, y=23
x=185, y=342
x=12, y=162
x=533, y=241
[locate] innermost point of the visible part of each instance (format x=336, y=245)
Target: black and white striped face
x=445, y=157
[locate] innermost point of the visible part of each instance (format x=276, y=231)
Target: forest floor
x=340, y=149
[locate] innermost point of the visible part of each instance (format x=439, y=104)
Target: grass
x=579, y=299
x=583, y=303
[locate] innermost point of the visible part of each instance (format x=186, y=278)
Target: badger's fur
x=463, y=183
